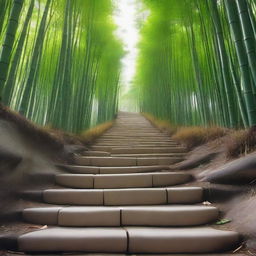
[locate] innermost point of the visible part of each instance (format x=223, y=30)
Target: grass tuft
x=241, y=142
x=49, y=136
x=90, y=135
x=196, y=135
x=63, y=136
x=162, y=125
x=236, y=142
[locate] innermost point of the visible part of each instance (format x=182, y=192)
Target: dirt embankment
x=31, y=155
x=232, y=185
x=28, y=154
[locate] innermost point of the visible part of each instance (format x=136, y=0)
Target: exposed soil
x=26, y=149
x=236, y=206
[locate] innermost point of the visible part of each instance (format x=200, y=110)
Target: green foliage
x=196, y=65
x=65, y=64
x=222, y=222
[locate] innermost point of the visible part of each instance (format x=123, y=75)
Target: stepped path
x=120, y=197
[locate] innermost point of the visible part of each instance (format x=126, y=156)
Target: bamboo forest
x=61, y=62
x=127, y=127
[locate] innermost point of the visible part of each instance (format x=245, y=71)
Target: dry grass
x=90, y=135
x=48, y=136
x=162, y=125
x=63, y=136
x=241, y=142
x=190, y=137
x=196, y=135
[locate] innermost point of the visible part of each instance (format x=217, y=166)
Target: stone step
x=126, y=128
x=95, y=153
x=120, y=127
x=131, y=130
x=180, y=240
x=130, y=140
x=145, y=180
x=125, y=161
x=136, y=196
x=122, y=122
x=136, y=134
x=141, y=140
x=133, y=169
x=150, y=155
x=122, y=216
x=138, y=138
x=139, y=150
x=137, y=142
x=166, y=254
x=102, y=153
x=131, y=143
x=111, y=170
x=141, y=240
x=59, y=239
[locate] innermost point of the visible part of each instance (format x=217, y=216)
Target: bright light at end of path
x=125, y=16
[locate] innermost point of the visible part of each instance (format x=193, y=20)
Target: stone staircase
x=119, y=197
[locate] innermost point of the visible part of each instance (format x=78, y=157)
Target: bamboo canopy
x=197, y=62
x=60, y=61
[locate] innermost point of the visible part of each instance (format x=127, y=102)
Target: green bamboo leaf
x=223, y=221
